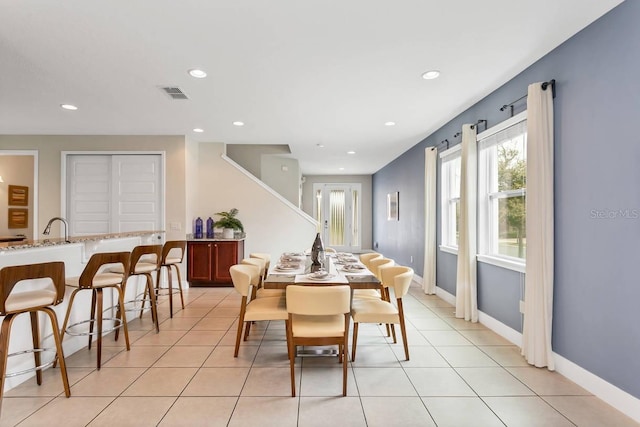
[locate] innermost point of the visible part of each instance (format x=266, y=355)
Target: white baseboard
x=619, y=399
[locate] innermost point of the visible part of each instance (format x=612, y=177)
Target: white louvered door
x=114, y=193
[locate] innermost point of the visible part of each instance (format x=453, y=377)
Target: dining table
x=336, y=269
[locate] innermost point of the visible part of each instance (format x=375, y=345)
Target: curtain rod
x=479, y=122
x=543, y=85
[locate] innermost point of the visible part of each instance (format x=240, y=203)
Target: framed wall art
x=392, y=206
x=18, y=218
x=18, y=195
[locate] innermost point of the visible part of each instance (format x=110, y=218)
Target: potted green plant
x=229, y=223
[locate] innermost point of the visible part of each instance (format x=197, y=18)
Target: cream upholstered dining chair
x=374, y=266
x=318, y=315
x=32, y=301
x=330, y=251
x=267, y=261
x=257, y=290
x=380, y=311
x=96, y=279
x=268, y=308
x=367, y=257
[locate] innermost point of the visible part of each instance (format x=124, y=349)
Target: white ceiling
x=297, y=72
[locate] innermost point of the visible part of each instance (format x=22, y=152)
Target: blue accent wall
x=597, y=201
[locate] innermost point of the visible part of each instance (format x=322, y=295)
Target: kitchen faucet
x=47, y=229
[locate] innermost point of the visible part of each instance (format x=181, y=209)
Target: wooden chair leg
x=393, y=333
x=292, y=357
x=4, y=351
x=123, y=318
x=179, y=285
x=240, y=325
x=98, y=296
x=152, y=298
x=35, y=337
x=93, y=317
x=355, y=340
x=66, y=321
x=59, y=350
x=403, y=329
x=170, y=286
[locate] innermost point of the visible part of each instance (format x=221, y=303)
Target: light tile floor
x=460, y=374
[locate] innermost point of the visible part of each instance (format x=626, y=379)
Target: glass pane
x=455, y=178
x=319, y=206
x=336, y=222
x=457, y=230
x=512, y=164
x=355, y=238
x=512, y=239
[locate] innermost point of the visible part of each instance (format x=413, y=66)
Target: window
x=450, y=204
x=502, y=182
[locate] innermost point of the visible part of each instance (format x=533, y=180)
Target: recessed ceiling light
x=198, y=74
x=351, y=152
x=390, y=123
x=319, y=145
x=341, y=169
x=198, y=130
x=238, y=123
x=69, y=107
x=432, y=74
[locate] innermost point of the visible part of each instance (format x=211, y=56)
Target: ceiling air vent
x=174, y=92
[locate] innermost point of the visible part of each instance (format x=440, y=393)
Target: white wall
x=272, y=224
x=283, y=175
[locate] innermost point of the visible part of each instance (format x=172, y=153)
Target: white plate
x=320, y=278
x=287, y=267
x=353, y=267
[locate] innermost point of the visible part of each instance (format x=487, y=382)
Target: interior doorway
x=337, y=207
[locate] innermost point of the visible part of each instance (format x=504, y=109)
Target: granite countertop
x=27, y=244
x=217, y=237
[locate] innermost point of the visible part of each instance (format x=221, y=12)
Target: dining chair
x=172, y=255
x=367, y=257
x=34, y=300
x=259, y=309
x=318, y=316
x=374, y=266
x=257, y=290
x=267, y=261
x=96, y=278
x=380, y=311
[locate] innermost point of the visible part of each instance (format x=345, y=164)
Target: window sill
x=502, y=262
x=449, y=249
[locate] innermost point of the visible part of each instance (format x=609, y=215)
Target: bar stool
x=31, y=301
x=96, y=279
x=145, y=260
x=172, y=255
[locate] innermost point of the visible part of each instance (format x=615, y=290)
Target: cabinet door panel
x=225, y=255
x=199, y=264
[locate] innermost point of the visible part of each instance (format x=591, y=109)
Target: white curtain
x=466, y=286
x=429, y=275
x=538, y=296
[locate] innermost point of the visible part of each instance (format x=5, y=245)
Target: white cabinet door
x=114, y=193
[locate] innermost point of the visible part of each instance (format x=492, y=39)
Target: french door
x=337, y=207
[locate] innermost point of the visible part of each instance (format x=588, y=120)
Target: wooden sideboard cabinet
x=208, y=261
